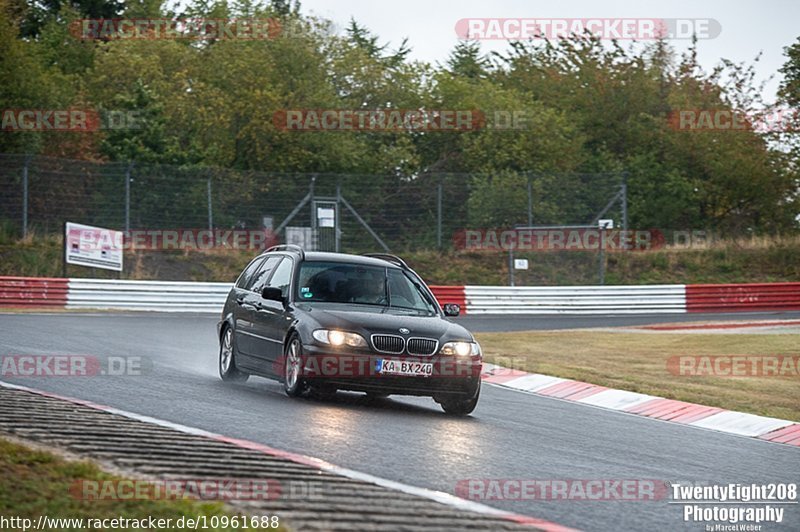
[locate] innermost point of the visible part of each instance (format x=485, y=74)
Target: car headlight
x=339, y=338
x=461, y=349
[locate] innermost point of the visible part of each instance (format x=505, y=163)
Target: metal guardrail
x=576, y=299
x=165, y=296
x=450, y=294
x=742, y=297
x=173, y=296
x=176, y=296
x=33, y=292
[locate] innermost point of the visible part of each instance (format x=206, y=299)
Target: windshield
x=337, y=282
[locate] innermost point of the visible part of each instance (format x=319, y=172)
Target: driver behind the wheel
x=369, y=289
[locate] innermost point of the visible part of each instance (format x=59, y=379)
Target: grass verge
x=638, y=362
x=727, y=261
x=34, y=483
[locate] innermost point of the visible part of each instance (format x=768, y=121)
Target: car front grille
x=396, y=345
x=388, y=343
x=422, y=346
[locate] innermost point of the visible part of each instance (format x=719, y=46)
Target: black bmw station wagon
x=321, y=322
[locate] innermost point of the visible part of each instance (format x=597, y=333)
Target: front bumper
x=451, y=376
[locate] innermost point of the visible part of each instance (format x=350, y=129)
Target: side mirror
x=451, y=309
x=271, y=293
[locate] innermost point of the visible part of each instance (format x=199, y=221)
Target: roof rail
x=288, y=247
x=389, y=258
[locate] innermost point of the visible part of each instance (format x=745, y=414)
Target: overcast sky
x=748, y=27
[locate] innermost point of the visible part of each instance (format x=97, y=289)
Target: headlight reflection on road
x=455, y=442
x=332, y=424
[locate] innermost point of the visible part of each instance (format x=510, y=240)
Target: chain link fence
x=329, y=212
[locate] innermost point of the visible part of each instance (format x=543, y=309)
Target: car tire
x=293, y=383
x=227, y=359
x=460, y=407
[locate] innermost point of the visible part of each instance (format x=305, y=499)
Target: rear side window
x=247, y=274
x=260, y=278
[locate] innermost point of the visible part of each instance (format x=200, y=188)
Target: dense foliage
x=591, y=107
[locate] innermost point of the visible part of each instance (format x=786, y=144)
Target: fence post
x=64, y=251
x=337, y=232
x=624, y=193
x=601, y=257
x=25, y=197
x=128, y=198
x=530, y=202
x=511, y=281
x=314, y=235
x=439, y=215
x=210, y=212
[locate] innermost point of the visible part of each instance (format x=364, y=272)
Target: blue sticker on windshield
x=304, y=289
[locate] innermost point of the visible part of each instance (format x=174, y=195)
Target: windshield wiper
x=364, y=303
x=417, y=310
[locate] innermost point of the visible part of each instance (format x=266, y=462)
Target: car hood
x=368, y=320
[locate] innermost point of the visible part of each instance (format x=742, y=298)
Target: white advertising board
x=94, y=247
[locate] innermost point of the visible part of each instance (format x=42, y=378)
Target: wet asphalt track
x=510, y=436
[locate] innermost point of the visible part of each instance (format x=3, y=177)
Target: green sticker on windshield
x=308, y=294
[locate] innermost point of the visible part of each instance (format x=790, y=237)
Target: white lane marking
x=437, y=496
x=741, y=423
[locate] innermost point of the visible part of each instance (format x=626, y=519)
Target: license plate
x=407, y=368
